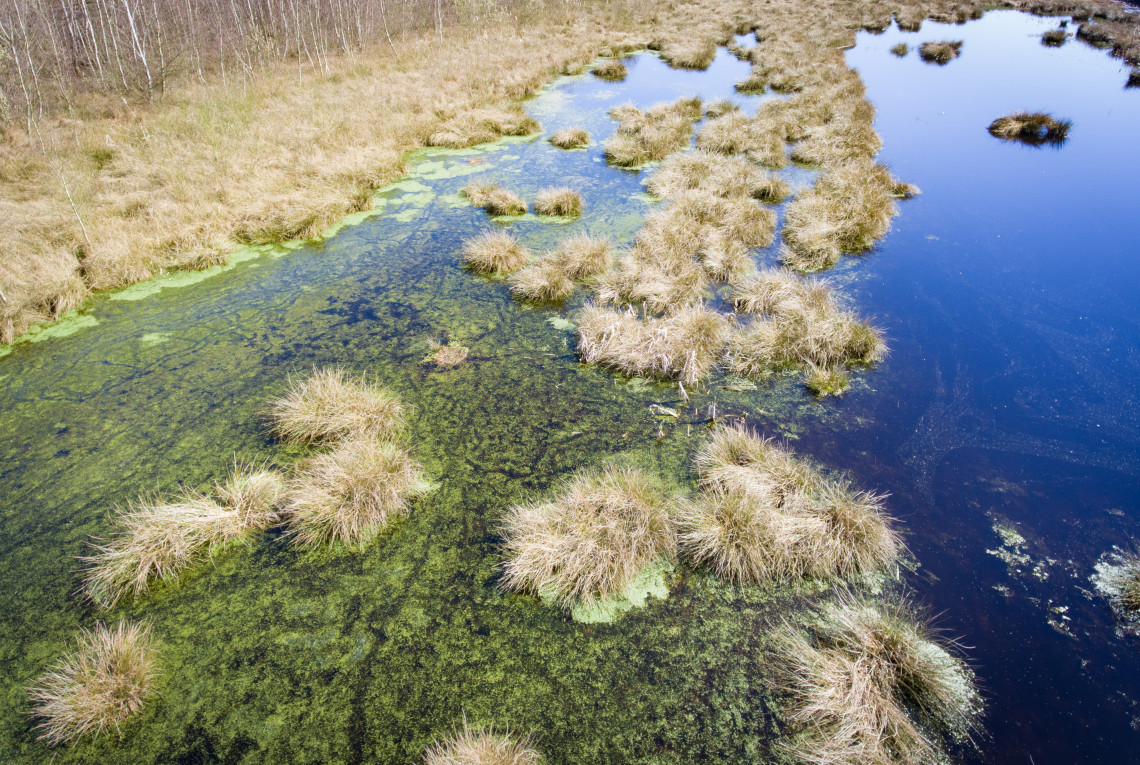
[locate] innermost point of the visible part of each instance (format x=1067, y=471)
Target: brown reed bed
x=611, y=69
x=484, y=126
x=483, y=746
x=758, y=139
x=717, y=174
x=584, y=256
x=544, y=281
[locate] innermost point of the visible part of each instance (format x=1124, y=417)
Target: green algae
x=652, y=580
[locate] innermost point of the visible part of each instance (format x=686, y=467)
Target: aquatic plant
x=1054, y=38
x=651, y=135
x=559, y=201
x=760, y=140
x=483, y=126
x=611, y=69
x=351, y=493
x=482, y=746
x=901, y=49
x=542, y=282
x=450, y=355
x=871, y=686
x=717, y=174
x=255, y=492
x=159, y=540
x=826, y=381
x=103, y=681
x=683, y=346
x=584, y=256
x=1034, y=129
x=720, y=108
x=1119, y=582
x=591, y=539
x=494, y=198
x=494, y=252
x=570, y=138
x=903, y=190
x=328, y=406
x=940, y=53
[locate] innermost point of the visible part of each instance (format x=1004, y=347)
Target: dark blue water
x=1009, y=290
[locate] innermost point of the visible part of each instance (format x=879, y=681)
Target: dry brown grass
x=350, y=494
x=94, y=688
x=255, y=492
x=494, y=198
x=584, y=256
x=559, y=202
x=651, y=135
x=449, y=356
x=482, y=746
x=591, y=539
x=718, y=174
x=694, y=51
x=940, y=53
x=610, y=69
x=571, y=138
x=870, y=685
x=760, y=140
x=328, y=406
x=484, y=126
x=542, y=282
x=494, y=252
x=1036, y=129
x=720, y=108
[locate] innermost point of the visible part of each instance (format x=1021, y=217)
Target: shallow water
x=1004, y=289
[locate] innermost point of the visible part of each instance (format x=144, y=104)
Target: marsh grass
x=1120, y=584
x=1054, y=38
x=482, y=746
x=691, y=52
x=871, y=686
x=493, y=198
x=826, y=381
x=107, y=678
x=651, y=135
x=1133, y=80
x=760, y=140
x=1033, y=129
x=900, y=50
x=683, y=346
x=720, y=108
x=255, y=492
x=559, y=202
x=544, y=281
x=450, y=355
x=717, y=174
x=591, y=539
x=940, y=53
x=484, y=126
x=584, y=256
x=612, y=70
x=570, y=138
x=328, y=406
x=494, y=252
x=350, y=494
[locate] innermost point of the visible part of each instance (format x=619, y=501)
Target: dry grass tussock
x=611, y=69
x=683, y=346
x=584, y=256
x=483, y=126
x=760, y=140
x=940, y=53
x=494, y=252
x=544, y=281
x=652, y=135
x=720, y=108
x=871, y=686
x=591, y=539
x=1120, y=583
x=571, y=138
x=350, y=494
x=95, y=687
x=764, y=515
x=718, y=174
x=494, y=198
x=328, y=406
x=482, y=746
x=1036, y=129
x=560, y=201
x=449, y=356
x=694, y=51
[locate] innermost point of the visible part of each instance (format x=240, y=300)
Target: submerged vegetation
x=482, y=746
x=103, y=681
x=940, y=53
x=494, y=198
x=1034, y=129
x=450, y=355
x=652, y=135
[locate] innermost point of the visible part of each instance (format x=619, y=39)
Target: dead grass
x=720, y=108
x=107, y=678
x=542, y=282
x=482, y=746
x=591, y=539
x=255, y=492
x=494, y=252
x=494, y=198
x=561, y=202
x=900, y=50
x=651, y=135
x=571, y=138
x=694, y=51
x=329, y=406
x=940, y=53
x=584, y=256
x=350, y=494
x=450, y=356
x=611, y=69
x=484, y=126
x=760, y=140
x=1034, y=129
x=717, y=174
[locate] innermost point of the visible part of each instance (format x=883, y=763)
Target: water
x=1005, y=290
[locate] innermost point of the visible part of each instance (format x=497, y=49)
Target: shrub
x=494, y=198
x=940, y=53
x=1036, y=129
x=494, y=252
x=559, y=201
x=105, y=680
x=591, y=539
x=572, y=138
x=328, y=406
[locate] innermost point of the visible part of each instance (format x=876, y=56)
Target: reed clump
x=351, y=493
x=764, y=515
x=760, y=140
x=658, y=280
x=570, y=138
x=1054, y=38
x=493, y=198
x=328, y=406
x=107, y=678
x=591, y=539
x=611, y=69
x=584, y=256
x=651, y=135
x=542, y=282
x=1034, y=129
x=717, y=174
x=1120, y=584
x=826, y=381
x=940, y=53
x=255, y=492
x=560, y=202
x=683, y=346
x=900, y=50
x=483, y=126
x=870, y=685
x=494, y=252
x=482, y=746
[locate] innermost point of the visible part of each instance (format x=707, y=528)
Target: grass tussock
x=765, y=515
x=827, y=381
x=255, y=492
x=1054, y=38
x=651, y=135
x=870, y=685
x=107, y=678
x=683, y=346
x=1133, y=80
x=561, y=202
x=483, y=126
x=1033, y=129
x=1120, y=584
x=570, y=138
x=328, y=406
x=849, y=208
x=611, y=69
x=720, y=108
x=494, y=198
x=760, y=140
x=542, y=282
x=591, y=539
x=718, y=174
x=449, y=356
x=350, y=494
x=900, y=50
x=584, y=256
x=494, y=252
x=482, y=746
x=691, y=52
x=940, y=53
